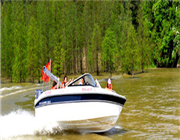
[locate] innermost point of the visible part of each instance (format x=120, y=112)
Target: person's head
x=65, y=78
x=81, y=82
x=54, y=83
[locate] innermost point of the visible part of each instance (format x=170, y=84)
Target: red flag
x=44, y=76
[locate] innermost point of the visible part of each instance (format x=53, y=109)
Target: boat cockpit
x=84, y=80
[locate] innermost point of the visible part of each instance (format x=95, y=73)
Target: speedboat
x=83, y=107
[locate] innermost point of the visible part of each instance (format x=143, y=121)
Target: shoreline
x=105, y=75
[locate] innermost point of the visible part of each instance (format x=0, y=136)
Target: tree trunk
x=133, y=71
x=97, y=70
x=142, y=67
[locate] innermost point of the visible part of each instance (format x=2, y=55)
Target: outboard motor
x=38, y=92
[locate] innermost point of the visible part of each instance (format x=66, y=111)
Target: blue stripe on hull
x=80, y=97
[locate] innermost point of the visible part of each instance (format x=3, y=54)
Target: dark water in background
x=152, y=110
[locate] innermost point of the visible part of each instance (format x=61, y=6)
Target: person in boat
x=109, y=85
x=65, y=83
x=81, y=81
x=54, y=85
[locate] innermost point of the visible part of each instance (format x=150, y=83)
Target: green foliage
x=130, y=56
x=33, y=50
x=19, y=43
x=131, y=51
x=165, y=16
x=81, y=36
x=109, y=50
x=176, y=31
x=1, y=41
x=144, y=45
x=94, y=49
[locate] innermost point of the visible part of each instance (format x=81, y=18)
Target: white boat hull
x=82, y=107
x=90, y=116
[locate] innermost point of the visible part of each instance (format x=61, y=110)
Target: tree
x=143, y=38
x=19, y=43
x=58, y=53
x=134, y=7
x=109, y=50
x=95, y=48
x=87, y=28
x=118, y=17
x=129, y=53
x=79, y=35
x=163, y=34
x=2, y=58
x=33, y=51
x=176, y=31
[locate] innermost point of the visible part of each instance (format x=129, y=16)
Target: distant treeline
x=87, y=36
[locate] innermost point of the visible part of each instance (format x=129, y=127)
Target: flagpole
x=50, y=71
x=45, y=77
x=42, y=84
x=46, y=85
x=50, y=64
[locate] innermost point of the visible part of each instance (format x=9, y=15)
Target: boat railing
x=38, y=92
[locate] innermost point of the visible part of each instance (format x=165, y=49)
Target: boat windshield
x=85, y=79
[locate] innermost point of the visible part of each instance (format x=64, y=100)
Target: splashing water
x=10, y=88
x=20, y=122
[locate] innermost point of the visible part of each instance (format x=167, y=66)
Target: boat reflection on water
x=67, y=136
x=83, y=107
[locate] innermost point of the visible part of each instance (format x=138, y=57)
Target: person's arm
x=68, y=82
x=55, y=87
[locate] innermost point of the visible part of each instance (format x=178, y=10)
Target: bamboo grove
x=87, y=36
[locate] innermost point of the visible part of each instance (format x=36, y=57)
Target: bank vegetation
x=87, y=36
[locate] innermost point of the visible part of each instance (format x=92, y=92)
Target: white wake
x=10, y=88
x=20, y=122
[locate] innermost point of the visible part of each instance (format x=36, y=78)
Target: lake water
x=152, y=110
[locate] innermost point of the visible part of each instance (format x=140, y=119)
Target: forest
x=87, y=36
